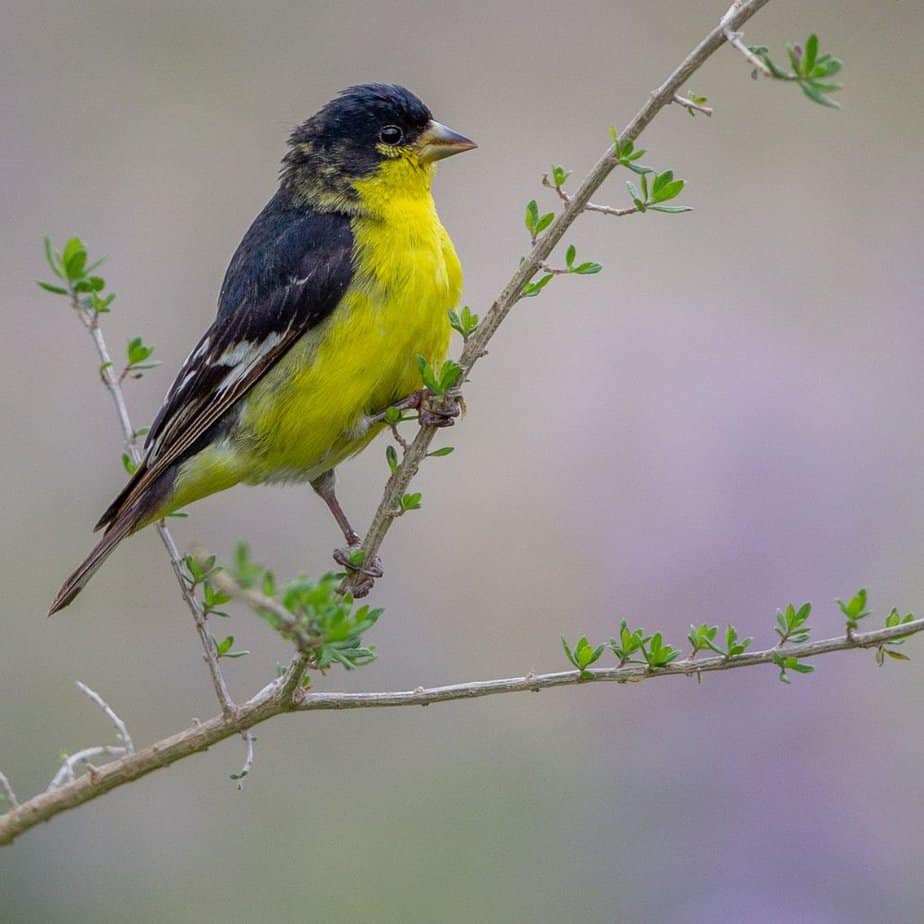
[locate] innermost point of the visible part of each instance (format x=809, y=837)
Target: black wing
x=288, y=274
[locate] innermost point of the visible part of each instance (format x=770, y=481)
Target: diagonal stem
x=90, y=320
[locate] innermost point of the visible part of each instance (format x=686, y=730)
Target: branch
x=113, y=383
x=476, y=345
x=272, y=701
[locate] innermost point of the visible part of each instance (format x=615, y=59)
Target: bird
x=343, y=280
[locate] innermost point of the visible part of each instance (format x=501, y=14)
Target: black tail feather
x=78, y=580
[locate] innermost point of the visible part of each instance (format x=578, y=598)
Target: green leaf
x=570, y=254
x=426, y=374
x=531, y=289
x=788, y=663
x=582, y=655
x=55, y=290
x=544, y=222
x=450, y=376
x=815, y=94
x=391, y=457
x=445, y=451
x=559, y=175
x=667, y=191
x=129, y=464
x=137, y=352
x=53, y=259
x=810, y=55
x=670, y=209
x=410, y=502
x=587, y=269
x=855, y=609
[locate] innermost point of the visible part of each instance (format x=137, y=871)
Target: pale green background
x=728, y=418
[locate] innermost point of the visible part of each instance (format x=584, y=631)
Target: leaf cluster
x=811, y=70
x=330, y=619
x=439, y=382
x=662, y=188
x=77, y=280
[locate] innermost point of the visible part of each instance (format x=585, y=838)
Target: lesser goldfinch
x=342, y=281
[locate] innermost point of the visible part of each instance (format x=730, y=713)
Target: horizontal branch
x=274, y=700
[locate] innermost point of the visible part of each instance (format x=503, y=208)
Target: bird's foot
x=440, y=410
x=362, y=574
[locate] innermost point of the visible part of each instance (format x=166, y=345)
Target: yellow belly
x=308, y=413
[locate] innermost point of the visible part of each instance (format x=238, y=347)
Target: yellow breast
x=308, y=413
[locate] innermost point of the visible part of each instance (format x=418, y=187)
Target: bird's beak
x=439, y=141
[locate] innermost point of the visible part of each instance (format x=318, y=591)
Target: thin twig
x=272, y=702
x=66, y=773
x=288, y=626
x=687, y=103
x=121, y=730
x=7, y=791
x=249, y=739
x=476, y=345
x=590, y=207
x=729, y=23
x=113, y=384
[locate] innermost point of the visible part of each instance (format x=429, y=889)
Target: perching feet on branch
x=432, y=410
x=362, y=576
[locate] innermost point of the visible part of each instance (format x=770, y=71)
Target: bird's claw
x=440, y=410
x=363, y=576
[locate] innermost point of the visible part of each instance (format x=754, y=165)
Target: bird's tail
x=78, y=580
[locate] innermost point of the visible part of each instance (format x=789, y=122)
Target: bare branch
x=273, y=701
x=121, y=730
x=113, y=384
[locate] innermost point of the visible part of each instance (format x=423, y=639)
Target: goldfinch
x=341, y=282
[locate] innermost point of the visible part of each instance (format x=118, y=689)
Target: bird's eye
x=391, y=134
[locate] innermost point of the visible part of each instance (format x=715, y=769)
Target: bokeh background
x=727, y=419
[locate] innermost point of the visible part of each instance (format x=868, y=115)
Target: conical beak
x=439, y=141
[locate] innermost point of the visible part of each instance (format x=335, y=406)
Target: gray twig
x=121, y=730
x=113, y=384
x=729, y=23
x=687, y=103
x=249, y=739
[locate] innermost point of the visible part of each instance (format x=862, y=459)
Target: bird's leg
x=324, y=486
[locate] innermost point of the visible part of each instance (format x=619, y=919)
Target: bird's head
x=372, y=140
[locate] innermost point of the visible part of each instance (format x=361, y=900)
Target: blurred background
x=727, y=419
